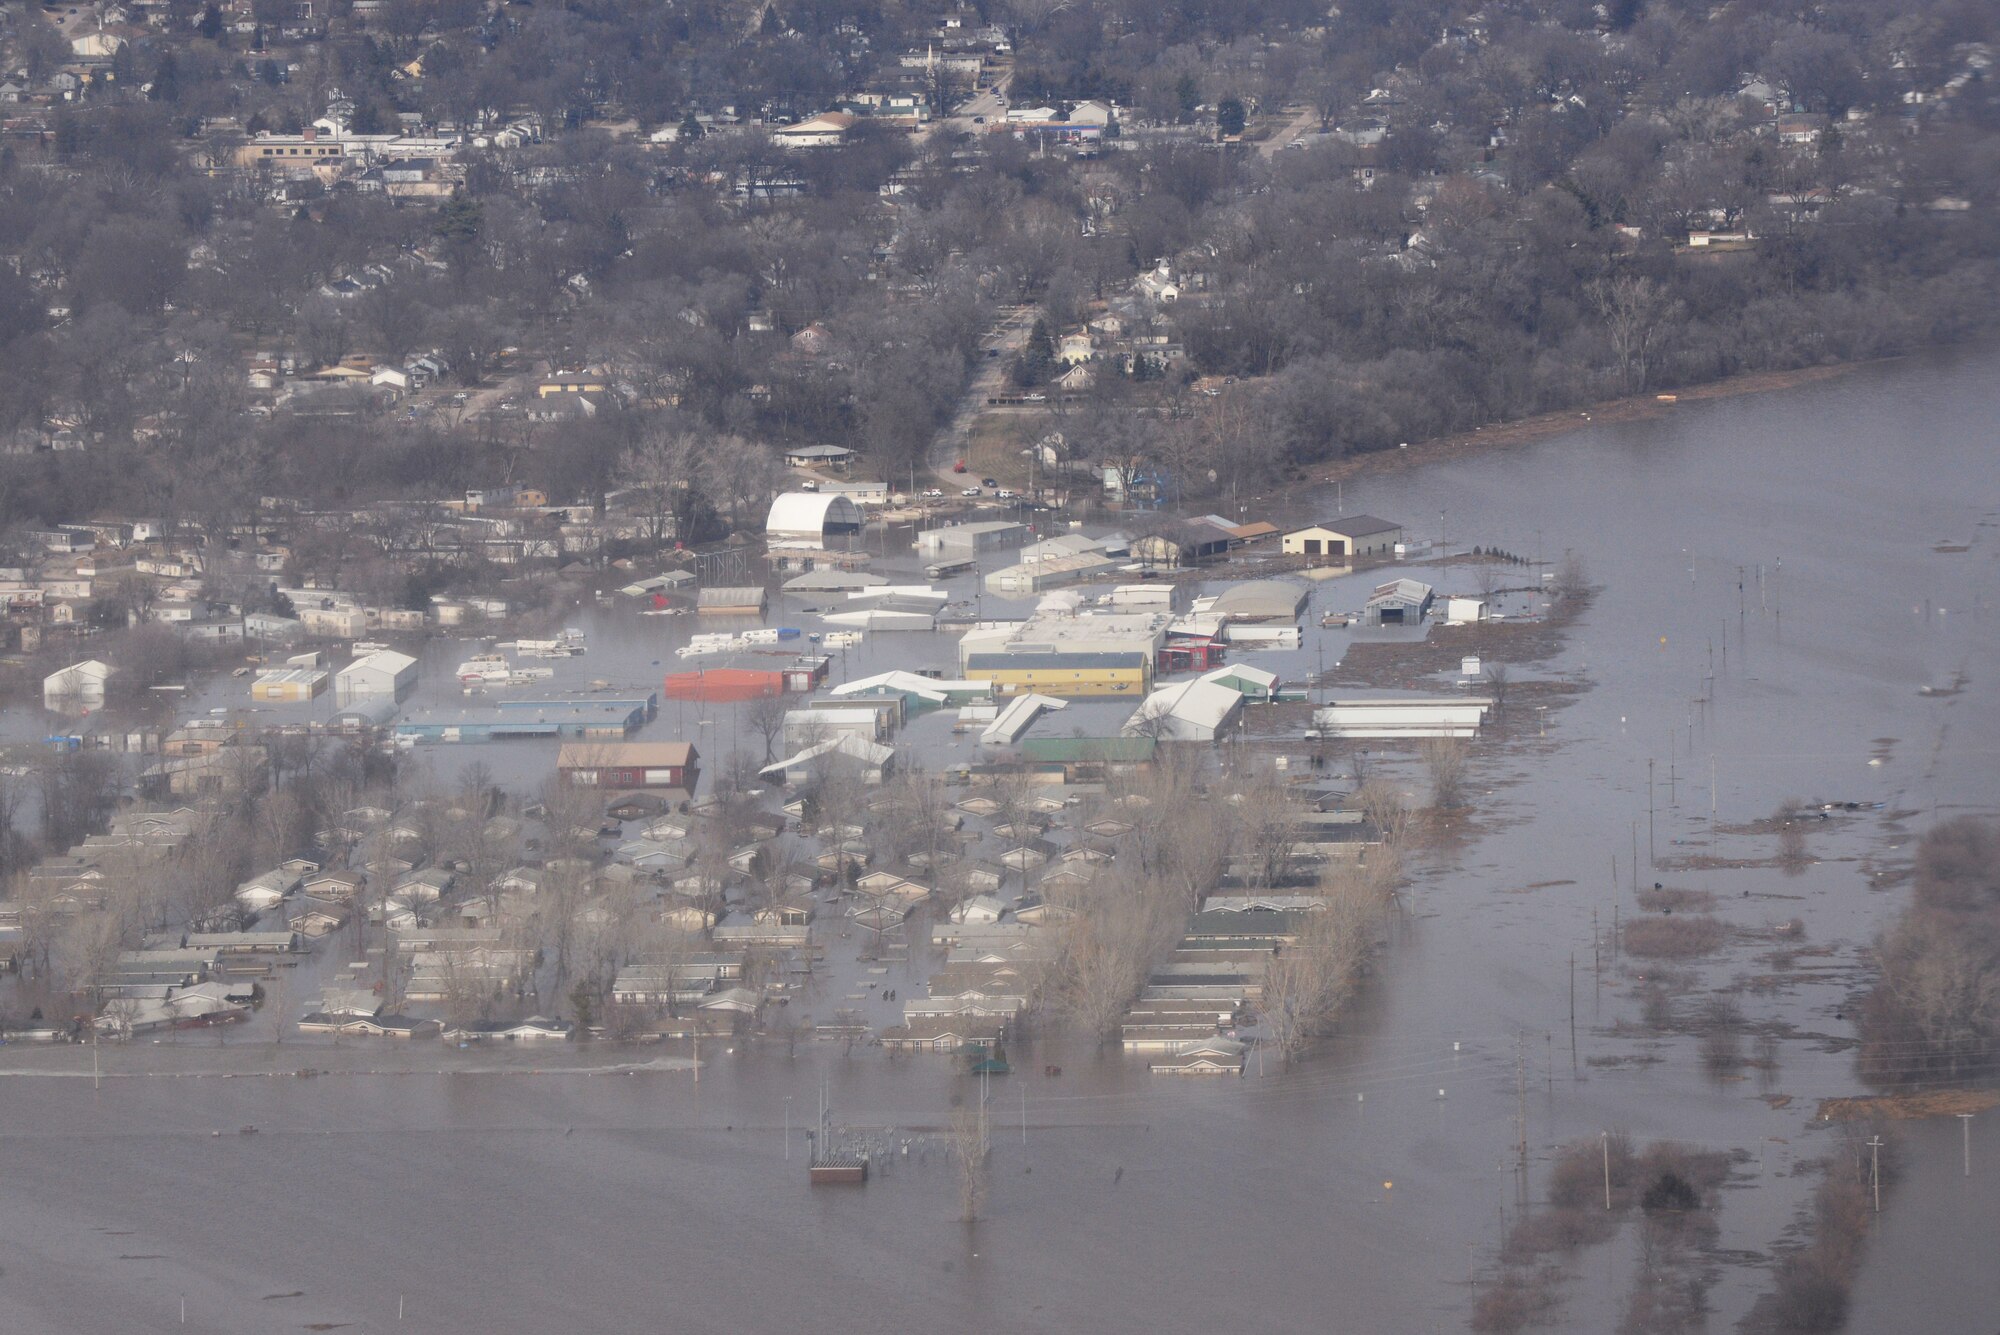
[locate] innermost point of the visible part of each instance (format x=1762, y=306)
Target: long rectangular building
x=609, y=720
x=1063, y=675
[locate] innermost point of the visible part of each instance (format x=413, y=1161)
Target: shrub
x=1673, y=937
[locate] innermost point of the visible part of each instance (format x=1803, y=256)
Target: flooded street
x=1772, y=600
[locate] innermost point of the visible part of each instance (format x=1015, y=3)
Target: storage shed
x=1400, y=602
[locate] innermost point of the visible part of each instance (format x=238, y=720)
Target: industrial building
x=288, y=685
x=1069, y=633
x=1063, y=674
x=1258, y=600
x=1052, y=572
x=382, y=673
x=1190, y=543
x=1344, y=538
x=850, y=755
x=1188, y=711
x=1402, y=716
x=968, y=540
x=506, y=720
x=809, y=518
x=738, y=600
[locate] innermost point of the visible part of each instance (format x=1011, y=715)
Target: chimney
x=312, y=133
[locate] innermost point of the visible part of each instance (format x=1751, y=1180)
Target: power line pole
x=1965, y=1129
x=1604, y=1140
x=1875, y=1169
x=1521, y=1101
x=1652, y=856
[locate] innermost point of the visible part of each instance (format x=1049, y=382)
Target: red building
x=629, y=765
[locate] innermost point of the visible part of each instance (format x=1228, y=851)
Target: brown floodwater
x=1772, y=600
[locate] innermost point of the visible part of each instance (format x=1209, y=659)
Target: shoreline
x=1542, y=426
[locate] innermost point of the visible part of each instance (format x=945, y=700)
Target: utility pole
x=1965, y=1130
x=1521, y=1101
x=1875, y=1169
x=1572, y=1012
x=1604, y=1141
x=1652, y=855
x=788, y=1128
x=1023, y=1087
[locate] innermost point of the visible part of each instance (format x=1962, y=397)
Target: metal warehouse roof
x=807, y=513
x=992, y=662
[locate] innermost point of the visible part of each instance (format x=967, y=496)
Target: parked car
x=970, y=491
x=988, y=482
x=934, y=494
x=1004, y=494
x=958, y=467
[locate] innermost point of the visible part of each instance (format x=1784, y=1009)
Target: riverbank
x=1542, y=426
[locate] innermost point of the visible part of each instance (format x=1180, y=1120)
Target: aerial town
x=779, y=834
x=704, y=639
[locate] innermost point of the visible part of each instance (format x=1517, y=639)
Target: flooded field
x=1779, y=579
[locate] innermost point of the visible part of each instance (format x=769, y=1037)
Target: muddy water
x=1367, y=1188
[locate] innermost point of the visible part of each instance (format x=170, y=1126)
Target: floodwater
x=1793, y=535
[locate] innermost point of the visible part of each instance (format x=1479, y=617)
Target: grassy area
x=993, y=446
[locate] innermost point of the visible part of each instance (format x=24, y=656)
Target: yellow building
x=288, y=685
x=1064, y=675
x=310, y=149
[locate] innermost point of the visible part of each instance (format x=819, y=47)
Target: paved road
x=1006, y=337
x=1305, y=120
x=991, y=103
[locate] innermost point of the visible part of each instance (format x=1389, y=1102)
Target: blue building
x=504, y=720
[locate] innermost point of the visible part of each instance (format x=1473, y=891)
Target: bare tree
x=1444, y=760
x=1572, y=576
x=766, y=717
x=1311, y=979
x=969, y=1156
x=1382, y=806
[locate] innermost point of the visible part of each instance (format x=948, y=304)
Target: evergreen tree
x=1230, y=117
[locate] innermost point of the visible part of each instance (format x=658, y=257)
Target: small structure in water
x=839, y=1168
